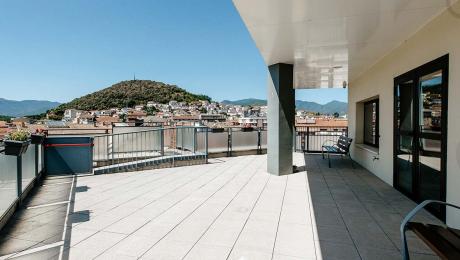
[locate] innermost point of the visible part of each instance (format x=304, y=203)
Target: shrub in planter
x=217, y=130
x=247, y=129
x=16, y=143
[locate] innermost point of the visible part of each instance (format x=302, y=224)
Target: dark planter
x=37, y=138
x=247, y=129
x=217, y=130
x=16, y=148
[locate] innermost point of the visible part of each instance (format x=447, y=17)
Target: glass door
x=430, y=122
x=404, y=135
x=421, y=133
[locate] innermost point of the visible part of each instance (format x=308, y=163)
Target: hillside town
x=171, y=114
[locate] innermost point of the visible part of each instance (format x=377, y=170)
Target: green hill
x=5, y=118
x=128, y=94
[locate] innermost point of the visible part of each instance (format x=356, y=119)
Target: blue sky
x=59, y=50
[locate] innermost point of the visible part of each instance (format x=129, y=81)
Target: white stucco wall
x=439, y=37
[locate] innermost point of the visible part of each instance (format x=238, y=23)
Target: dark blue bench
x=342, y=147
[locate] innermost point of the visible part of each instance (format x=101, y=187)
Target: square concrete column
x=281, y=118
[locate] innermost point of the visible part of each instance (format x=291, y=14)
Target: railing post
x=302, y=140
x=308, y=139
x=229, y=143
x=206, y=144
x=19, y=175
x=259, y=142
x=194, y=140
x=91, y=167
x=182, y=140
x=107, y=141
x=162, y=142
x=175, y=147
x=36, y=161
x=113, y=150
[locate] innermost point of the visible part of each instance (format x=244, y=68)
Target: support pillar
x=281, y=119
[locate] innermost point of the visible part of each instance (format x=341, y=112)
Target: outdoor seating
x=342, y=147
x=443, y=240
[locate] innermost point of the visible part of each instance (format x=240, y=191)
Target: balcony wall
x=31, y=164
x=8, y=182
x=435, y=39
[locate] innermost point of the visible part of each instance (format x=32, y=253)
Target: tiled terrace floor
x=228, y=209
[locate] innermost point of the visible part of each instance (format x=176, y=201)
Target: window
x=371, y=123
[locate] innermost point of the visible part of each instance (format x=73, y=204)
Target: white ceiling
x=331, y=41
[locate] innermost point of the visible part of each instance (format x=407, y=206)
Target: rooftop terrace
x=227, y=209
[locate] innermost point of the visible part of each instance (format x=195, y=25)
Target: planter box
x=37, y=139
x=16, y=148
x=217, y=130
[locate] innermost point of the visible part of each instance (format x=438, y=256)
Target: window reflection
x=431, y=102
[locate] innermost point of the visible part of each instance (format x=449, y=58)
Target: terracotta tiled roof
x=155, y=119
x=136, y=113
x=107, y=119
x=186, y=117
x=86, y=116
x=21, y=120
x=324, y=123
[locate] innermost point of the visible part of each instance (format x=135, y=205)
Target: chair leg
x=322, y=152
x=329, y=159
x=352, y=163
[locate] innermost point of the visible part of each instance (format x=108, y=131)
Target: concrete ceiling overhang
x=332, y=41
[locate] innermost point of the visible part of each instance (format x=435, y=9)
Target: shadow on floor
x=43, y=224
x=357, y=215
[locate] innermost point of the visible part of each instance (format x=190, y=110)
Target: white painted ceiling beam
x=331, y=41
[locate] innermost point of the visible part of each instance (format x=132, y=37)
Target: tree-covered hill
x=128, y=94
x=5, y=118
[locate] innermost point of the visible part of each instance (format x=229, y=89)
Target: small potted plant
x=16, y=142
x=217, y=130
x=38, y=137
x=247, y=128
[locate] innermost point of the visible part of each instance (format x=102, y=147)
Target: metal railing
x=17, y=176
x=230, y=141
x=169, y=147
x=160, y=147
x=311, y=138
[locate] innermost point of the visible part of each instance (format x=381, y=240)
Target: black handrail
x=410, y=215
x=149, y=148
x=310, y=138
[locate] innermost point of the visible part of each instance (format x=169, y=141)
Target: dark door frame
x=441, y=63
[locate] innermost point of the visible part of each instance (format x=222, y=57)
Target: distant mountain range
x=25, y=107
x=328, y=108
x=134, y=92
x=246, y=102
